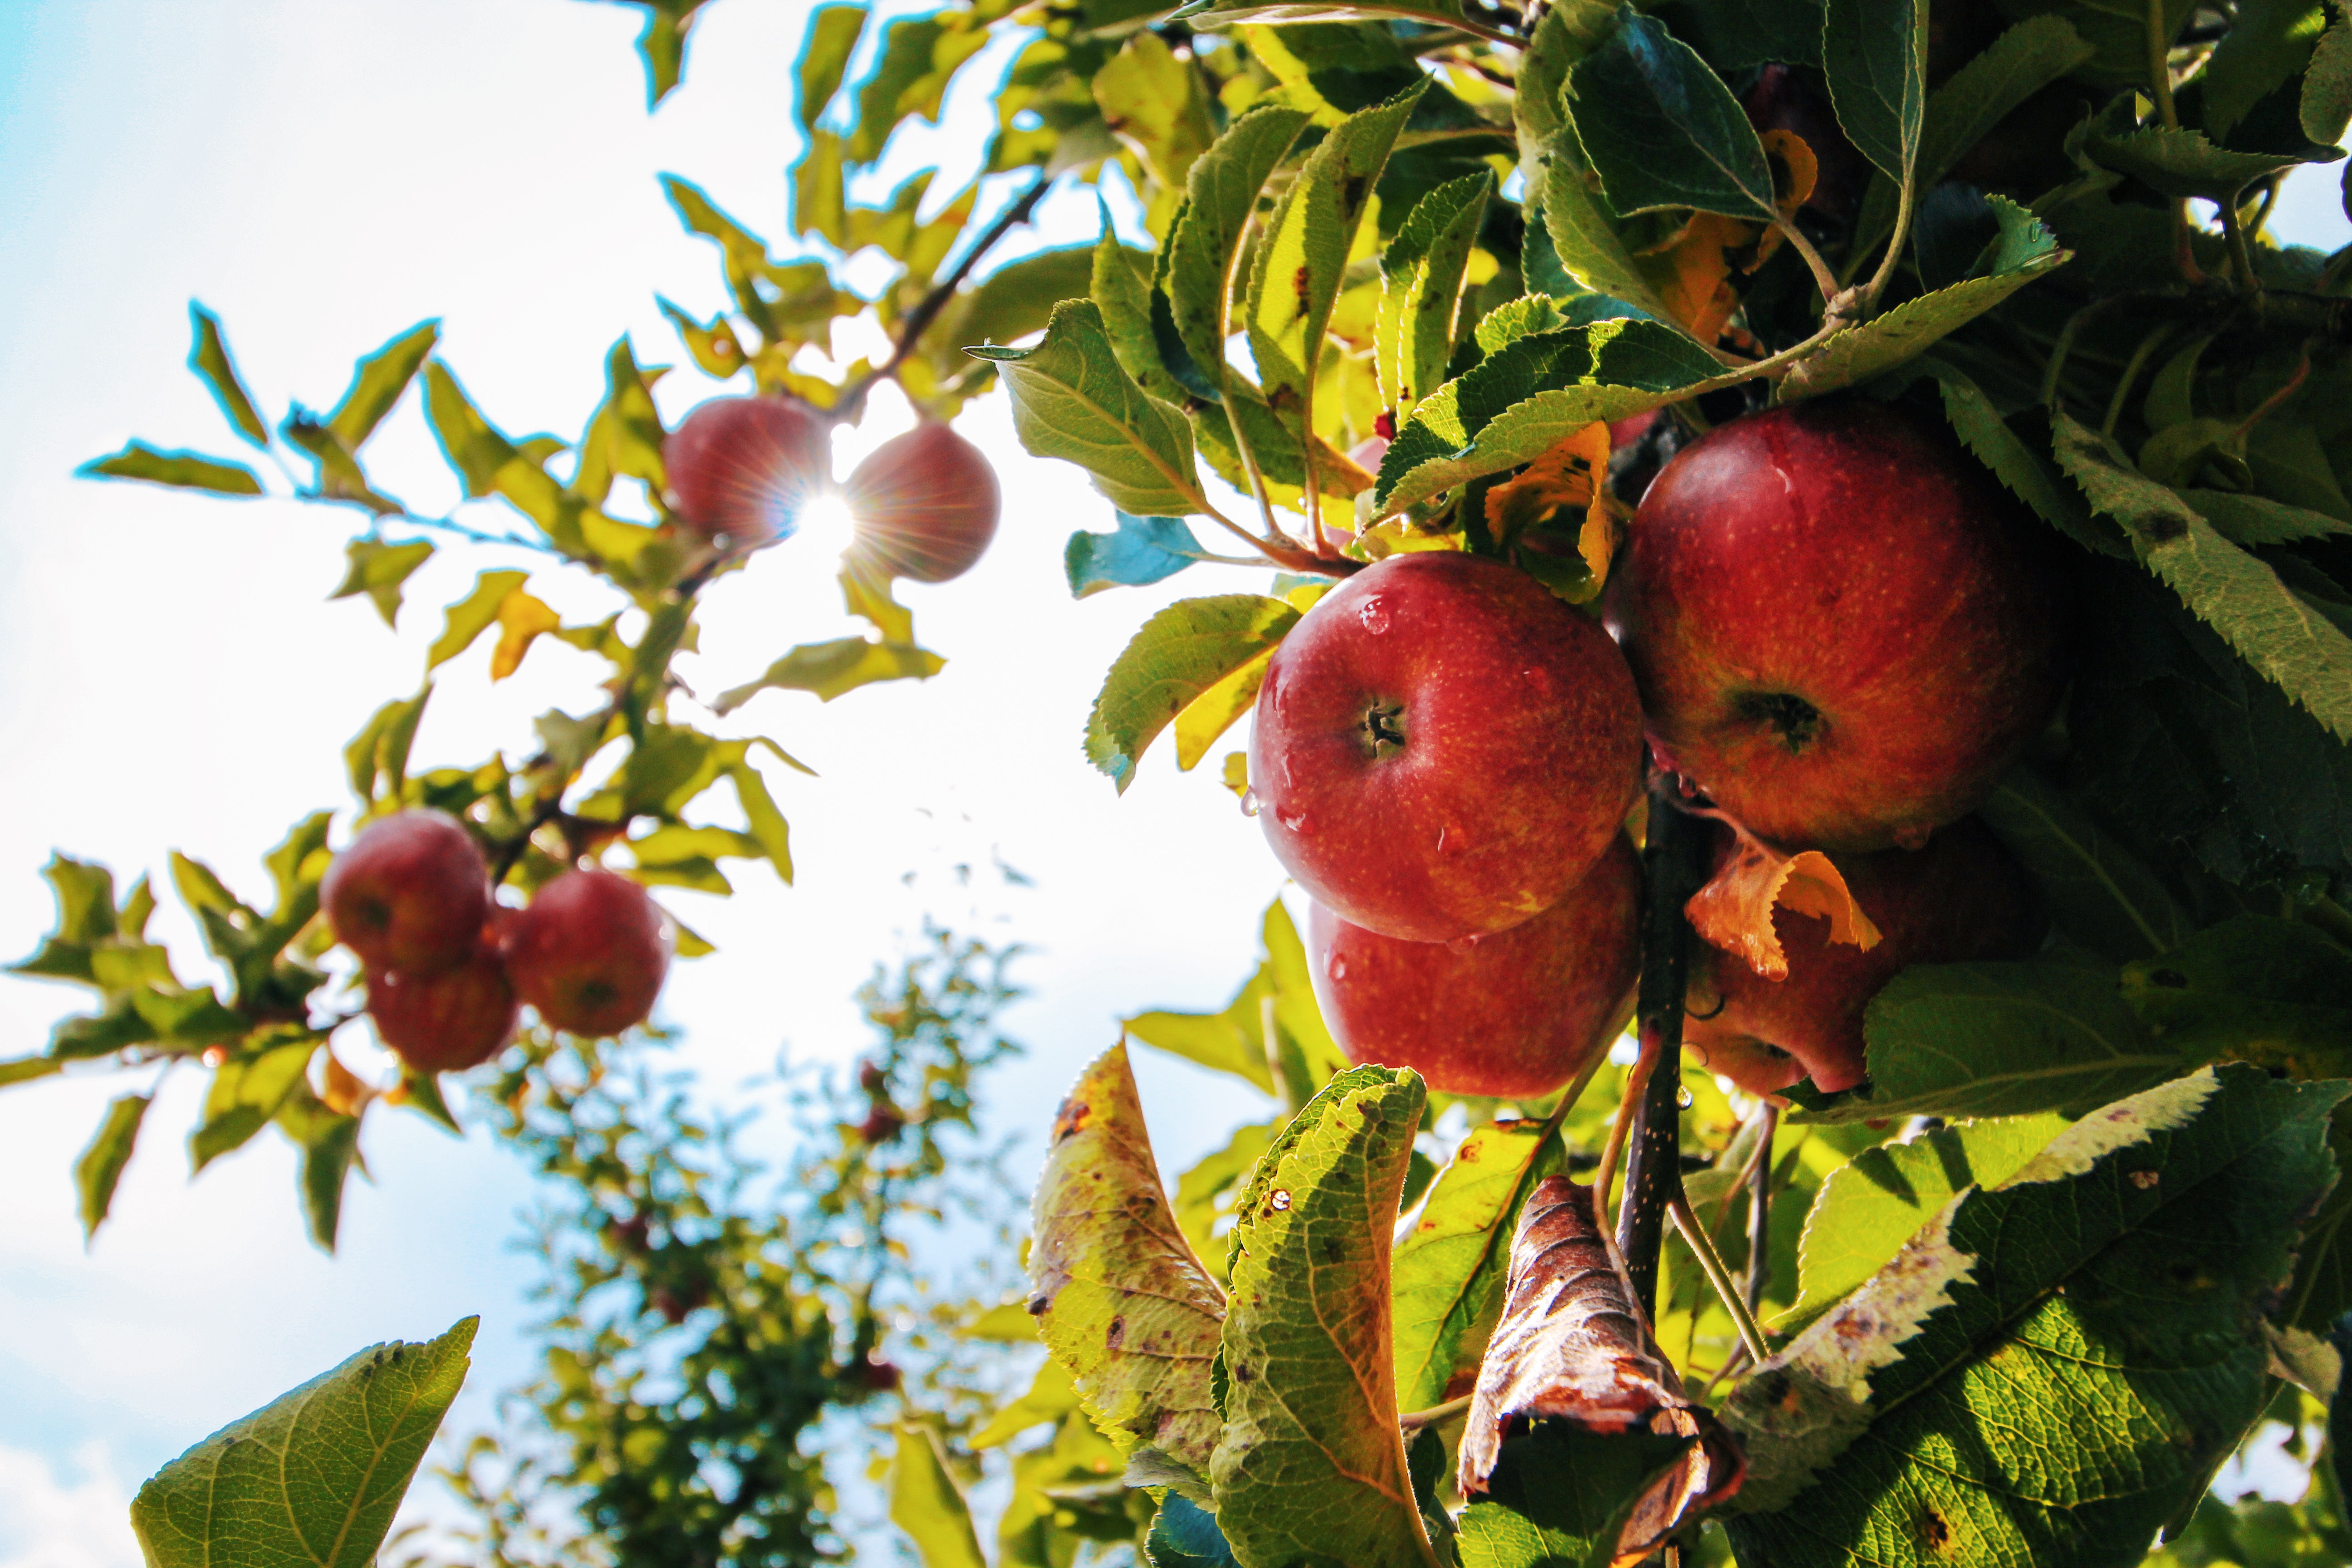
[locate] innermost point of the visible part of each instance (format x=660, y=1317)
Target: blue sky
x=324, y=174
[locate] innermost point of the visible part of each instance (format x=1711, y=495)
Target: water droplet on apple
x=1684, y=1098
x=1464, y=943
x=1374, y=614
x=1295, y=821
x=1249, y=803
x=1336, y=967
x=1451, y=839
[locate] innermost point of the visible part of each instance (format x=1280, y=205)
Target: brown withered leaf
x=1573, y=1347
x=1733, y=911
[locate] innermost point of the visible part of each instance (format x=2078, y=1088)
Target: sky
x=324, y=173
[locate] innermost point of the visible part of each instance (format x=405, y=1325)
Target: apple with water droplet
x=1842, y=627
x=1442, y=748
x=589, y=953
x=1960, y=900
x=924, y=505
x=448, y=1021
x=740, y=470
x=1515, y=1015
x=410, y=894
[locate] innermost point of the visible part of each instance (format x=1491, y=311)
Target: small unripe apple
x=1515, y=1015
x=590, y=952
x=1442, y=748
x=924, y=505
x=1842, y=627
x=410, y=894
x=448, y=1021
x=742, y=470
x=1958, y=900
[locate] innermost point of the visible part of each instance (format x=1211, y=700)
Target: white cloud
x=48, y=1522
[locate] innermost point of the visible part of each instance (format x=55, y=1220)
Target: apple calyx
x=1796, y=721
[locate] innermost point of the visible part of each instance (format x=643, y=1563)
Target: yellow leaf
x=1733, y=911
x=522, y=619
x=1213, y=712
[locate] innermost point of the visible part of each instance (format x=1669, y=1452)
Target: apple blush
x=447, y=1022
x=742, y=470
x=1960, y=900
x=1843, y=629
x=924, y=505
x=1442, y=748
x=589, y=953
x=1514, y=1016
x=410, y=894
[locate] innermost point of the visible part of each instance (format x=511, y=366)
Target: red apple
x=1842, y=627
x=740, y=469
x=1958, y=900
x=1515, y=1014
x=924, y=505
x=448, y=1022
x=590, y=952
x=410, y=894
x=1443, y=747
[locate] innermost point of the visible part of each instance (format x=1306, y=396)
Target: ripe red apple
x=410, y=894
x=924, y=505
x=1443, y=747
x=447, y=1022
x=1842, y=627
x=740, y=469
x=1958, y=900
x=590, y=952
x=1515, y=1014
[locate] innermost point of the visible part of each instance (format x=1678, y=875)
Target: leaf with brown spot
x=1733, y=911
x=1573, y=1347
x=1118, y=1297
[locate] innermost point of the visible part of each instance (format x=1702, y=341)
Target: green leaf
x=2305, y=654
x=1296, y=271
x=1182, y=653
x=2099, y=894
x=1983, y=93
x=313, y=1479
x=2325, y=106
x=1447, y=1279
x=2253, y=521
x=2002, y=1039
x=24, y=1069
x=1185, y=1535
x=911, y=77
x=1871, y=1206
x=1560, y=1497
x=182, y=469
x=1205, y=1193
x=1739, y=35
x=1221, y=193
x=101, y=1165
x=662, y=46
x=472, y=616
x=84, y=892
x=1117, y=1295
x=1154, y=101
x=1141, y=550
x=1662, y=130
x=208, y=357
x=246, y=1093
x=2047, y=1371
x=1515, y=405
x=624, y=438
x=1874, y=53
x=377, y=382
x=2184, y=164
x=2254, y=988
x=379, y=752
x=1564, y=191
x=2269, y=41
x=378, y=569
x=328, y=1142
x=2018, y=464
x=1421, y=287
x=831, y=668
x=1310, y=1468
x=1071, y=399
x=1051, y=1396
x=769, y=831
x=2022, y=252
x=832, y=38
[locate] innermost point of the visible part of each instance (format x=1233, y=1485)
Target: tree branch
x=1670, y=872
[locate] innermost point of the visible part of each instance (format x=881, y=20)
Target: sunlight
x=825, y=526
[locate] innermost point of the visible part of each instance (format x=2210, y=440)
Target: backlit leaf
x=378, y=569
x=377, y=382
x=2182, y=163
x=313, y=1479
x=184, y=470
x=472, y=616
x=1182, y=653
x=99, y=1166
x=1220, y=192
x=1212, y=713
x=1153, y=101
x=926, y=1503
x=246, y=1092
x=832, y=38
x=208, y=357
x=1421, y=286
x=522, y=619
x=1141, y=550
x=831, y=668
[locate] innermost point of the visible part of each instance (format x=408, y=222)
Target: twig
x=1822, y=276
x=1437, y=1414
x=928, y=309
x=1653, y=1168
x=2154, y=340
x=1710, y=1262
x=447, y=525
x=1760, y=1212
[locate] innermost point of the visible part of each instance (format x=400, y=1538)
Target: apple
x=1442, y=748
x=924, y=505
x=410, y=894
x=445, y=1022
x=589, y=953
x=1843, y=629
x=1514, y=1016
x=740, y=469
x=1958, y=900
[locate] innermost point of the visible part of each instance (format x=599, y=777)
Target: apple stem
x=1823, y=277
x=1710, y=1263
x=1671, y=872
x=1759, y=1209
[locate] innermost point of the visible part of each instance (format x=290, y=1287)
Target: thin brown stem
x=1825, y=280
x=1760, y=1212
x=1710, y=1263
x=1437, y=1414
